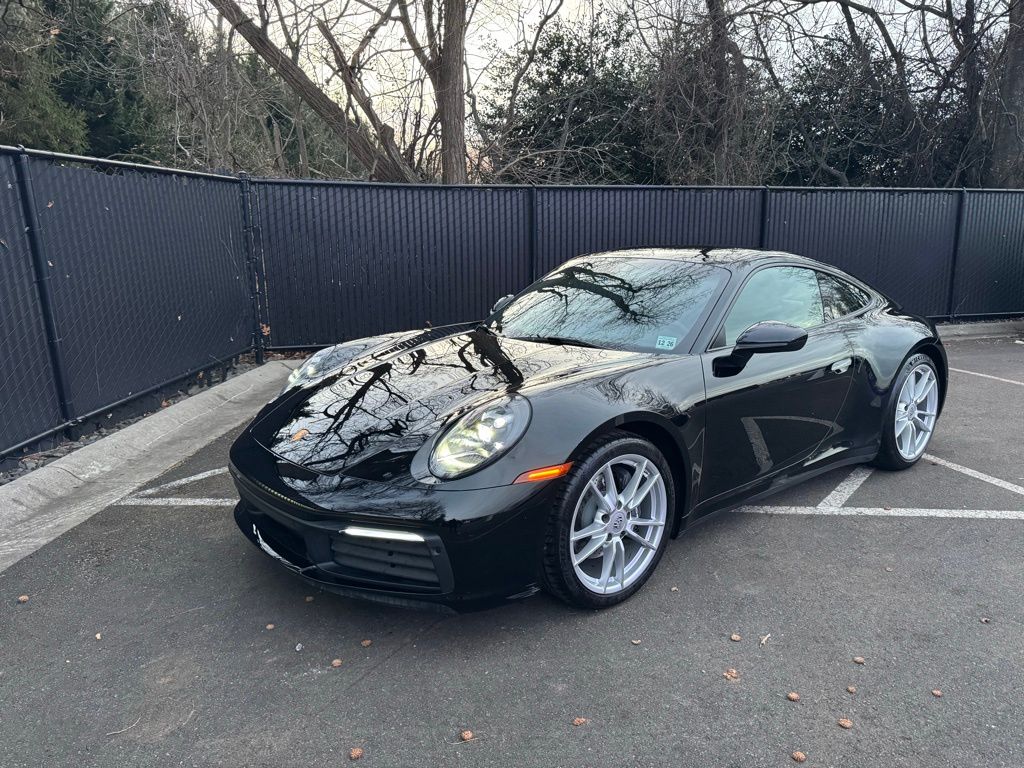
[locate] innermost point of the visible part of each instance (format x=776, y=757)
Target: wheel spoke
x=610, y=490
x=634, y=482
x=602, y=500
x=641, y=494
x=925, y=390
x=644, y=523
x=921, y=426
x=620, y=560
x=593, y=529
x=606, y=566
x=639, y=539
x=589, y=549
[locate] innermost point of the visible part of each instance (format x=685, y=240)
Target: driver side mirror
x=770, y=336
x=760, y=338
x=503, y=302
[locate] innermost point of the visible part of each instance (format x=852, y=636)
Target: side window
x=839, y=297
x=786, y=294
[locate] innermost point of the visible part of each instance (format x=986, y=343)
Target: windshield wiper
x=560, y=341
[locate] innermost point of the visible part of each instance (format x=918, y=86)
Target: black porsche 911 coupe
x=562, y=441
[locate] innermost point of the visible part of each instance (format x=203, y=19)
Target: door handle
x=841, y=366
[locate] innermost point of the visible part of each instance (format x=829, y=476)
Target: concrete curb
x=980, y=330
x=43, y=504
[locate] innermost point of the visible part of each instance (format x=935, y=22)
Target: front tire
x=911, y=414
x=610, y=523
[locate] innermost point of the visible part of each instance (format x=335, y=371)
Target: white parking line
x=847, y=488
x=987, y=376
x=183, y=481
x=1006, y=486
x=149, y=501
x=980, y=514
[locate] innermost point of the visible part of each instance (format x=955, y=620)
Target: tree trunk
x=1006, y=167
x=450, y=92
x=379, y=164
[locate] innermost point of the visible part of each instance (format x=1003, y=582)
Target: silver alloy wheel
x=916, y=411
x=618, y=524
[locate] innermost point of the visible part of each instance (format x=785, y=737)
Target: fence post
x=41, y=277
x=960, y=212
x=762, y=235
x=532, y=224
x=252, y=264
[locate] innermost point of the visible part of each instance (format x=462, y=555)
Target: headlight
x=309, y=370
x=480, y=436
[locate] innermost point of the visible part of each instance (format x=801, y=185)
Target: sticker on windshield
x=666, y=342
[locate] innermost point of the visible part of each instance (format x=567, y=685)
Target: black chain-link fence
x=119, y=279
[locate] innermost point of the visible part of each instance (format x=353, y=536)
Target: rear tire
x=602, y=545
x=910, y=415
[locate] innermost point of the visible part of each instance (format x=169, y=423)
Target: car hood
x=387, y=403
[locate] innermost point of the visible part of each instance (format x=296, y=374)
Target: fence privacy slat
x=155, y=274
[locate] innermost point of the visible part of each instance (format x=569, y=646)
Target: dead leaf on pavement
x=99, y=635
x=793, y=696
x=23, y=598
x=799, y=756
x=355, y=753
x=674, y=589
x=580, y=721
x=858, y=659
x=765, y=639
x=466, y=735
x=851, y=689
x=366, y=643
x=845, y=723
x=635, y=642
x=937, y=693
x=731, y=674
x=336, y=663
x=309, y=598
x=270, y=626
x=735, y=638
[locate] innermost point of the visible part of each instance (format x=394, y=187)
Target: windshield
x=620, y=302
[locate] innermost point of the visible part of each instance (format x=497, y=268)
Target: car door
x=773, y=413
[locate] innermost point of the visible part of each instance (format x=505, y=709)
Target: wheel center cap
x=617, y=522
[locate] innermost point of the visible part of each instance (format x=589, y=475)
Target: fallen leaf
x=466, y=735
x=336, y=663
x=765, y=639
x=858, y=659
x=355, y=753
x=844, y=723
x=799, y=756
x=735, y=638
x=635, y=642
x=99, y=635
x=851, y=689
x=674, y=589
x=731, y=674
x=50, y=204
x=309, y=598
x=54, y=32
x=937, y=693
x=165, y=403
x=366, y=643
x=580, y=721
x=270, y=626
x=793, y=696
x=23, y=598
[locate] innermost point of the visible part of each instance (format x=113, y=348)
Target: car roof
x=736, y=257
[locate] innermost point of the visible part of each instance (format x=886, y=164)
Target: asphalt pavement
x=156, y=635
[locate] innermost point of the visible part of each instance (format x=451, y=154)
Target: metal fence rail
x=117, y=279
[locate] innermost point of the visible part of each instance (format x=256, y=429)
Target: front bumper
x=459, y=550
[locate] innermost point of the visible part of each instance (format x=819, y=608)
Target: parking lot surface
x=155, y=634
